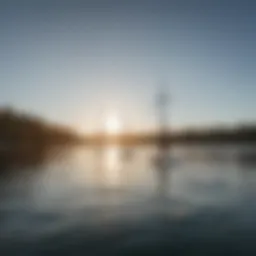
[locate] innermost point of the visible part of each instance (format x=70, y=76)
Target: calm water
x=91, y=201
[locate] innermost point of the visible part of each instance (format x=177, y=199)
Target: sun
x=113, y=125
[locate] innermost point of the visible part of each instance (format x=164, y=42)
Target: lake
x=195, y=200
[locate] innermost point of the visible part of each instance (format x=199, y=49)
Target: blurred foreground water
x=198, y=200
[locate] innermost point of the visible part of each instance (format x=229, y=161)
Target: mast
x=162, y=102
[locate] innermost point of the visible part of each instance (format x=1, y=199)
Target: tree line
x=22, y=130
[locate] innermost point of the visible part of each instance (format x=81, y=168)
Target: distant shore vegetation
x=18, y=129
x=245, y=133
x=22, y=130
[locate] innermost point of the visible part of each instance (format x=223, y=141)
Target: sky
x=79, y=62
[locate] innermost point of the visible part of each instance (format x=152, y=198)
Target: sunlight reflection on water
x=113, y=165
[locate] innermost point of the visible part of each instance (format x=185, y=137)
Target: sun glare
x=113, y=125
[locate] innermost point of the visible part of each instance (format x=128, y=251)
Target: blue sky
x=75, y=62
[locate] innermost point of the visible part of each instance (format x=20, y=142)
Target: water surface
x=100, y=201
